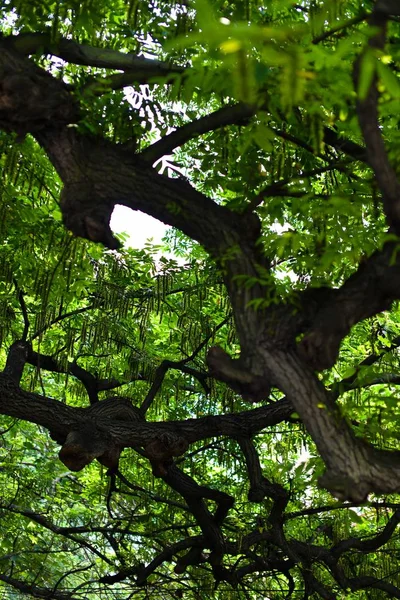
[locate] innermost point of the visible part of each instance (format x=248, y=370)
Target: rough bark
x=97, y=175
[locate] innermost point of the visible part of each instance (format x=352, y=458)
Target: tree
x=283, y=117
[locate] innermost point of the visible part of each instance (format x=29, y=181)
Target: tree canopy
x=217, y=416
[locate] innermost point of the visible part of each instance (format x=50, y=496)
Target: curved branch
x=47, y=524
x=279, y=188
x=260, y=486
x=37, y=591
x=60, y=418
x=72, y=313
x=92, y=384
x=180, y=365
x=371, y=544
x=238, y=114
x=370, y=290
x=161, y=371
x=352, y=149
x=351, y=382
x=349, y=23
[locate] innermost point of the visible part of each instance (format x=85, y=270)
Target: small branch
x=62, y=317
x=136, y=488
x=293, y=139
x=349, y=23
x=117, y=81
x=372, y=544
x=47, y=524
x=350, y=382
x=161, y=371
x=207, y=339
x=384, y=379
x=68, y=574
x=332, y=138
x=227, y=115
x=144, y=572
x=279, y=188
x=36, y=591
x=181, y=366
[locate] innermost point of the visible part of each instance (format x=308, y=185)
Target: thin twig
x=24, y=311
x=354, y=21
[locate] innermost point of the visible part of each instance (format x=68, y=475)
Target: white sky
x=139, y=226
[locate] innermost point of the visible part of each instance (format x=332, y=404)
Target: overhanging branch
x=227, y=115
x=60, y=418
x=139, y=67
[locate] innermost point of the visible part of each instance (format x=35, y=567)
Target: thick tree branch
x=60, y=419
x=97, y=175
x=140, y=68
x=16, y=360
x=368, y=116
x=370, y=290
x=260, y=486
x=364, y=469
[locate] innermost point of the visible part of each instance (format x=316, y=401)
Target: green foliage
x=128, y=311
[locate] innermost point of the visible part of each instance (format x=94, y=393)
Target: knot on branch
x=265, y=488
x=16, y=359
x=233, y=372
x=320, y=349
x=31, y=100
x=161, y=450
x=85, y=444
x=90, y=440
x=195, y=556
x=87, y=214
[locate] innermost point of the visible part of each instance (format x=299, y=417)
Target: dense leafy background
x=131, y=310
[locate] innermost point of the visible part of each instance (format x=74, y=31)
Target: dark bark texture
x=97, y=175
